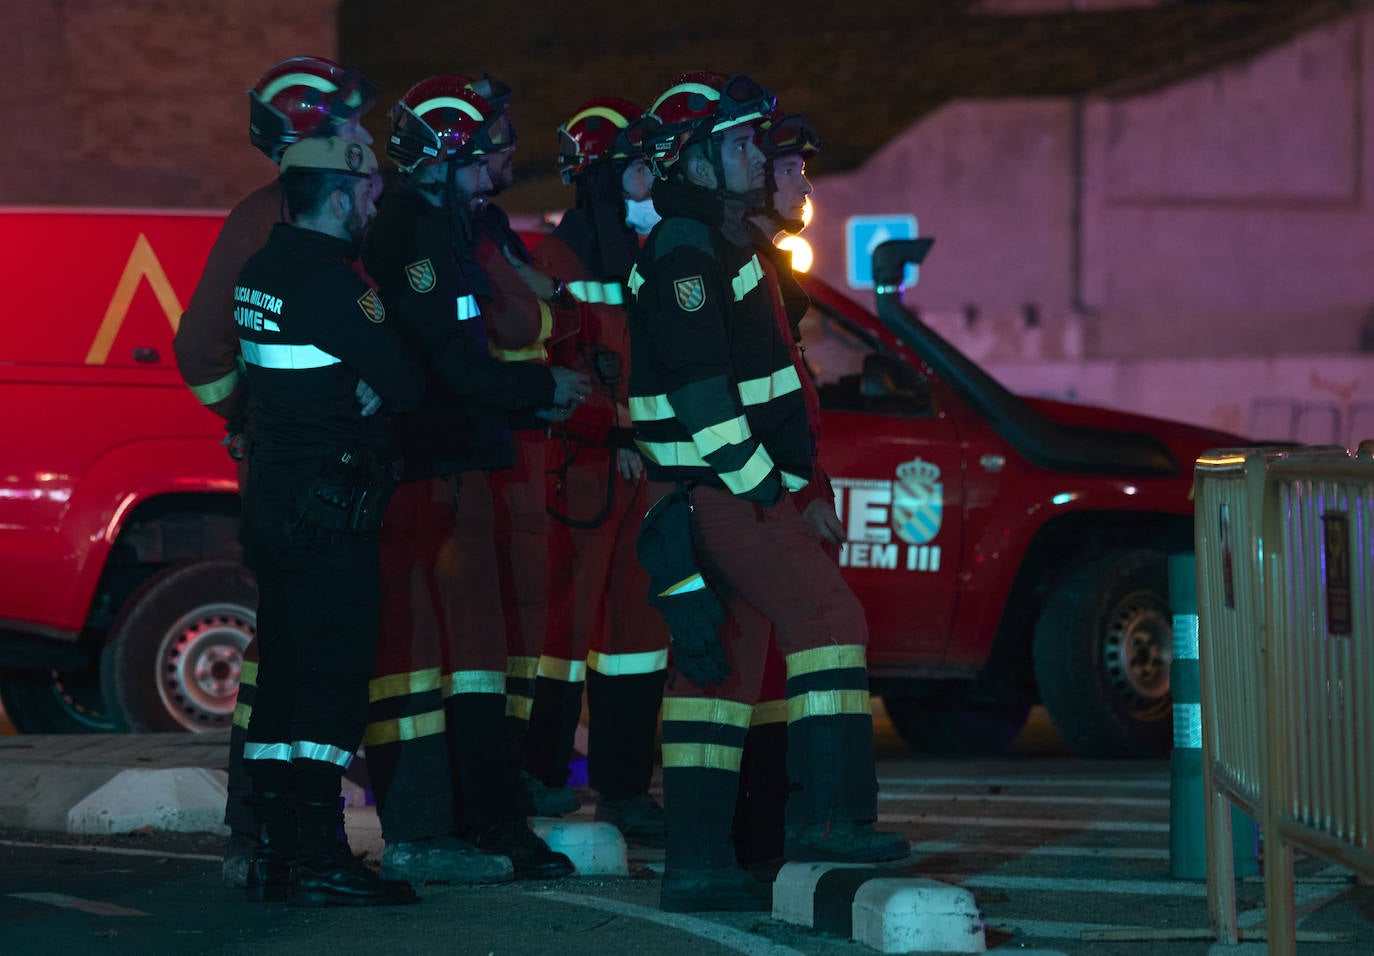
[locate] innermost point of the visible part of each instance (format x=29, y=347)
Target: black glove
x=680, y=593
x=326, y=505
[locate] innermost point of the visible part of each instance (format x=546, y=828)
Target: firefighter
x=435, y=735
x=319, y=478
x=295, y=99
x=787, y=142
x=526, y=309
x=600, y=624
x=718, y=409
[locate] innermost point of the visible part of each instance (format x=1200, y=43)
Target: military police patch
x=421, y=275
x=372, y=307
x=691, y=293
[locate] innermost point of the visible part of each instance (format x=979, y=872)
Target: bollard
x=1187, y=837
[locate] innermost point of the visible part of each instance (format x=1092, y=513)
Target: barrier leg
x=1188, y=803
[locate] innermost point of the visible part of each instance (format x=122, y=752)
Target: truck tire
x=175, y=651
x=951, y=723
x=56, y=702
x=1102, y=651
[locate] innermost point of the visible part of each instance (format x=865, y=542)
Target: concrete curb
x=596, y=849
x=185, y=800
x=872, y=906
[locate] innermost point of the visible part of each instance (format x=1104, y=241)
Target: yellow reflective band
x=535, y=353
x=571, y=672
x=296, y=79
x=623, y=665
x=693, y=583
x=707, y=710
x=604, y=112
x=828, y=703
x=404, y=728
x=757, y=391
x=703, y=756
x=475, y=682
x=748, y=278
x=545, y=322
x=402, y=685
x=448, y=102
x=671, y=454
x=519, y=707
x=715, y=437
x=792, y=482
x=216, y=391
x=522, y=666
x=324, y=753
x=650, y=408
x=746, y=479
x=833, y=657
x=242, y=714
x=634, y=281
x=710, y=94
x=249, y=674
x=769, y=712
x=598, y=293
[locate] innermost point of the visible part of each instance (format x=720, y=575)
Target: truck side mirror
x=889, y=385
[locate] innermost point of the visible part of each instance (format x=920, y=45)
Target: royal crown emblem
x=918, y=501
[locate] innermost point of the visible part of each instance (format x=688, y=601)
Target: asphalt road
x=1056, y=851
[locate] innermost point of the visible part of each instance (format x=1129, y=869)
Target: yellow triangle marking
x=142, y=264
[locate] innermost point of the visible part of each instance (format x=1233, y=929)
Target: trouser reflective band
x=702, y=732
x=474, y=682
x=322, y=753
x=404, y=707
x=703, y=741
x=826, y=682
x=248, y=685
x=279, y=751
x=769, y=712
x=623, y=665
x=556, y=668
x=520, y=676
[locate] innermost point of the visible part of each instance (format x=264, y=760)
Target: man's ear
x=699, y=167
x=341, y=203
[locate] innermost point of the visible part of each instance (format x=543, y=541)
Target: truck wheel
x=953, y=724
x=56, y=702
x=1103, y=646
x=175, y=651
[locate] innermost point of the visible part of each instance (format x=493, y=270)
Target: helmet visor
x=790, y=135
x=355, y=94
x=742, y=101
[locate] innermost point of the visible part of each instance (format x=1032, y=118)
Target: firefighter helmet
x=787, y=135
x=697, y=105
x=438, y=119
x=596, y=132
x=302, y=97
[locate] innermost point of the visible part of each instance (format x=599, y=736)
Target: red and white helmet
x=597, y=132
x=439, y=119
x=696, y=106
x=302, y=97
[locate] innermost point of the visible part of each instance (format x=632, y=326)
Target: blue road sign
x=863, y=234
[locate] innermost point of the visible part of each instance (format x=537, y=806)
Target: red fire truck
x=1007, y=550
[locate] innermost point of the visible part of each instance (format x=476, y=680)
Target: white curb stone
x=185, y=800
x=794, y=890
x=596, y=849
x=917, y=916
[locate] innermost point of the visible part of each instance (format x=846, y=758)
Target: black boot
x=760, y=811
x=834, y=800
x=269, y=867
x=700, y=873
x=328, y=874
x=622, y=724
x=531, y=856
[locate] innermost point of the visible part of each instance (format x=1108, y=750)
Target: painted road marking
x=737, y=940
x=1154, y=802
x=1002, y=849
x=117, y=850
x=97, y=907
x=1028, y=823
x=992, y=881
x=1072, y=783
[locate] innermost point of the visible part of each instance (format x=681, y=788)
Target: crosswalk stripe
x=1002, y=849
x=1070, y=783
x=1060, y=884
x=98, y=907
x=1160, y=802
x=1029, y=823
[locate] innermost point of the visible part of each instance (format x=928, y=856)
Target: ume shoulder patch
x=372, y=307
x=691, y=293
x=421, y=275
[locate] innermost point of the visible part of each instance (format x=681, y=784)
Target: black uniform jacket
x=309, y=327
x=714, y=395
x=422, y=263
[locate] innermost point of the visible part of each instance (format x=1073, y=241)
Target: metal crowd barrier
x=1286, y=640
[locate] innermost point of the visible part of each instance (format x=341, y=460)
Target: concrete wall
x=141, y=102
x=1228, y=214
